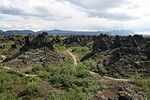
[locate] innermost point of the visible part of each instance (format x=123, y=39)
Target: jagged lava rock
x=36, y=51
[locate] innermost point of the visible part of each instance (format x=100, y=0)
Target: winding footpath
x=75, y=63
x=74, y=58
x=28, y=75
x=19, y=72
x=96, y=74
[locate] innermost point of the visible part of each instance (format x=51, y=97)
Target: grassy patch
x=80, y=49
x=73, y=79
x=59, y=48
x=7, y=81
x=31, y=88
x=144, y=83
x=7, y=43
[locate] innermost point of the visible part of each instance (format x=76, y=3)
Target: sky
x=79, y=15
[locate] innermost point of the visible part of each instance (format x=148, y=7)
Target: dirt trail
x=74, y=58
x=19, y=72
x=16, y=70
x=95, y=74
x=110, y=78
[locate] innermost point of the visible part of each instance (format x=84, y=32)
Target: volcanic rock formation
x=126, y=56
x=37, y=50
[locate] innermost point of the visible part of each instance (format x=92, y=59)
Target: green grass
x=2, y=36
x=60, y=49
x=31, y=88
x=7, y=81
x=6, y=51
x=63, y=38
x=144, y=83
x=73, y=79
x=80, y=49
x=8, y=43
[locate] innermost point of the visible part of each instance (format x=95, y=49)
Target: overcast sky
x=75, y=14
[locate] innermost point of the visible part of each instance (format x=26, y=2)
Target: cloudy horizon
x=75, y=15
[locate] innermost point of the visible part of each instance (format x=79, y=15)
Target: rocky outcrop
x=8, y=38
x=57, y=40
x=125, y=56
x=123, y=93
x=102, y=42
x=37, y=50
x=78, y=40
x=41, y=40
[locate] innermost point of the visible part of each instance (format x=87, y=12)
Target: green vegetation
x=2, y=36
x=101, y=70
x=144, y=83
x=90, y=64
x=59, y=48
x=31, y=88
x=7, y=81
x=74, y=79
x=63, y=38
x=43, y=74
x=5, y=51
x=56, y=95
x=8, y=43
x=8, y=96
x=80, y=49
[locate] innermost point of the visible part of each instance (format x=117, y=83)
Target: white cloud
x=75, y=15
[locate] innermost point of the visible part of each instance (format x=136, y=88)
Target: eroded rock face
x=102, y=42
x=32, y=42
x=37, y=50
x=78, y=40
x=126, y=56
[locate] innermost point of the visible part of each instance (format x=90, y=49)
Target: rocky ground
x=126, y=56
x=33, y=51
x=117, y=59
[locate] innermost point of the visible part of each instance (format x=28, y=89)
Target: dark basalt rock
x=9, y=38
x=37, y=50
x=57, y=40
x=125, y=56
x=102, y=42
x=117, y=42
x=32, y=42
x=123, y=93
x=148, y=50
x=78, y=40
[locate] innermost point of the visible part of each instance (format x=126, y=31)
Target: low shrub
x=76, y=79
x=8, y=96
x=31, y=88
x=139, y=81
x=56, y=95
x=101, y=70
x=59, y=48
x=36, y=69
x=7, y=80
x=90, y=64
x=43, y=74
x=144, y=83
x=35, y=79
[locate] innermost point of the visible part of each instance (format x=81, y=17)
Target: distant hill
x=121, y=32
x=19, y=31
x=65, y=32
x=1, y=32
